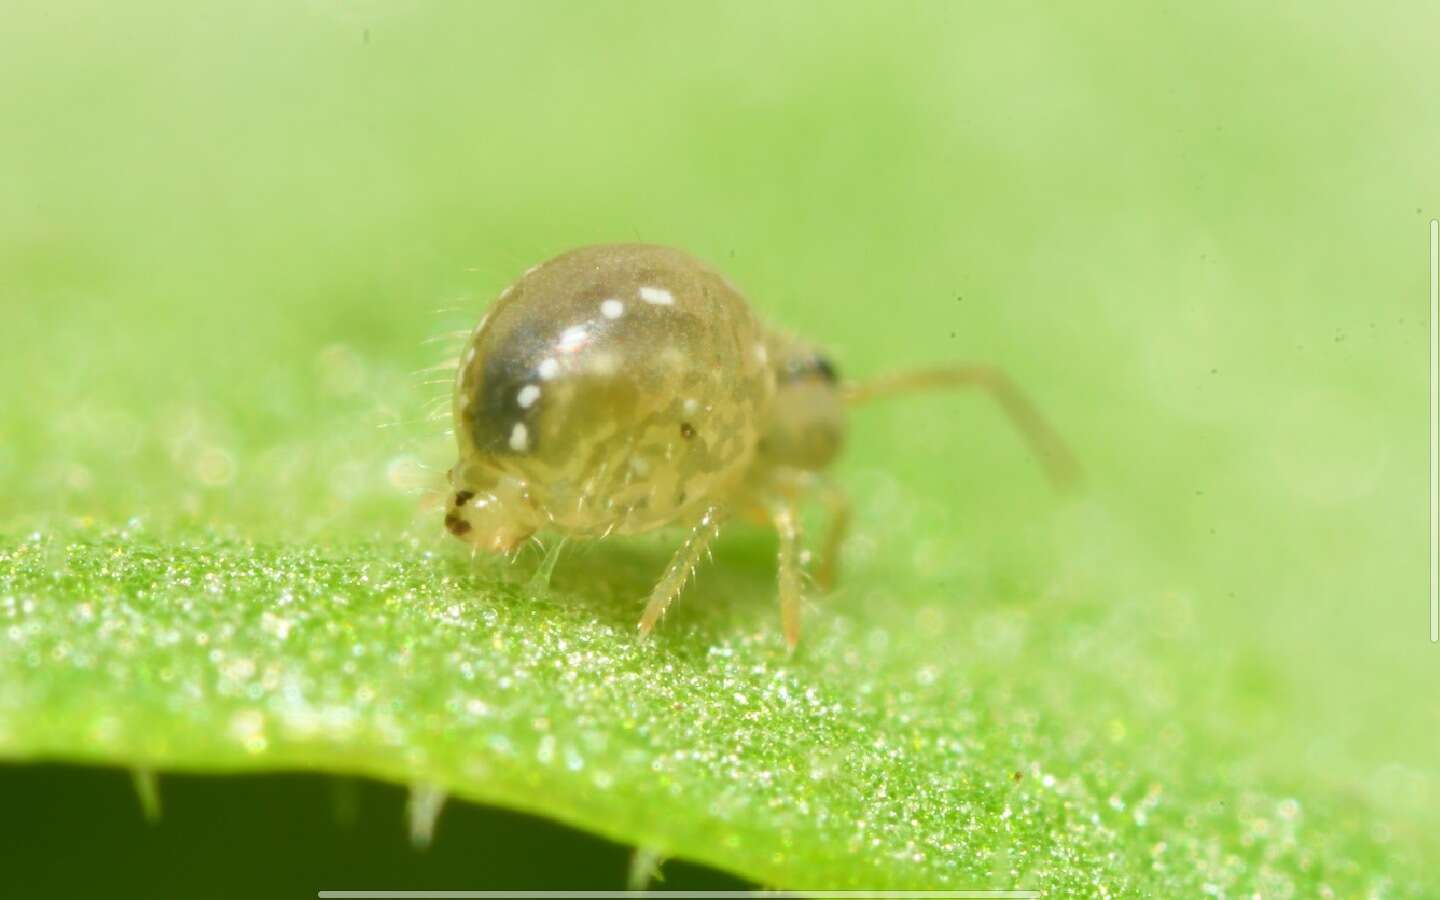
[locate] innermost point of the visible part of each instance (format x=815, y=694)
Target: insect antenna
x=1059, y=463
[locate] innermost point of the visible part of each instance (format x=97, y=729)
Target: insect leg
x=787, y=524
x=541, y=579
x=1059, y=464
x=838, y=503
x=682, y=566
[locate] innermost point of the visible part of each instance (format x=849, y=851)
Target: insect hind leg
x=789, y=573
x=682, y=566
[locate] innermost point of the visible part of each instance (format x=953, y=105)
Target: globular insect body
x=621, y=388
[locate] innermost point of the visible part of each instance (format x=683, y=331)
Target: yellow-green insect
x=620, y=388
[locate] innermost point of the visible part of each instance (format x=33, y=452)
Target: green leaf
x=908, y=743
x=1198, y=240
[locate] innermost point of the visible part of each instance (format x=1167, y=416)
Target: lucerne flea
x=617, y=389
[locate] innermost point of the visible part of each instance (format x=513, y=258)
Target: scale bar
x=676, y=895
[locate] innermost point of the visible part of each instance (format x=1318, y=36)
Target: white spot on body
x=572, y=338
x=528, y=395
x=691, y=406
x=761, y=353
x=519, y=438
x=612, y=309
x=657, y=296
x=549, y=368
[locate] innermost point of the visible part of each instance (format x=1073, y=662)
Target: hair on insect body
x=617, y=389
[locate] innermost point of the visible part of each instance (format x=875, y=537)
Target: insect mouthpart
x=487, y=522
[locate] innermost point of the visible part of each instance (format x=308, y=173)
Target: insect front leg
x=838, y=503
x=540, y=581
x=682, y=566
x=787, y=525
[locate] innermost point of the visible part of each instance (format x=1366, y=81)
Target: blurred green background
x=1196, y=233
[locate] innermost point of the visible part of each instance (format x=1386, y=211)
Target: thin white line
x=1434, y=433
x=673, y=895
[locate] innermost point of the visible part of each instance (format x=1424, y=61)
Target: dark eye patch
x=810, y=366
x=826, y=369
